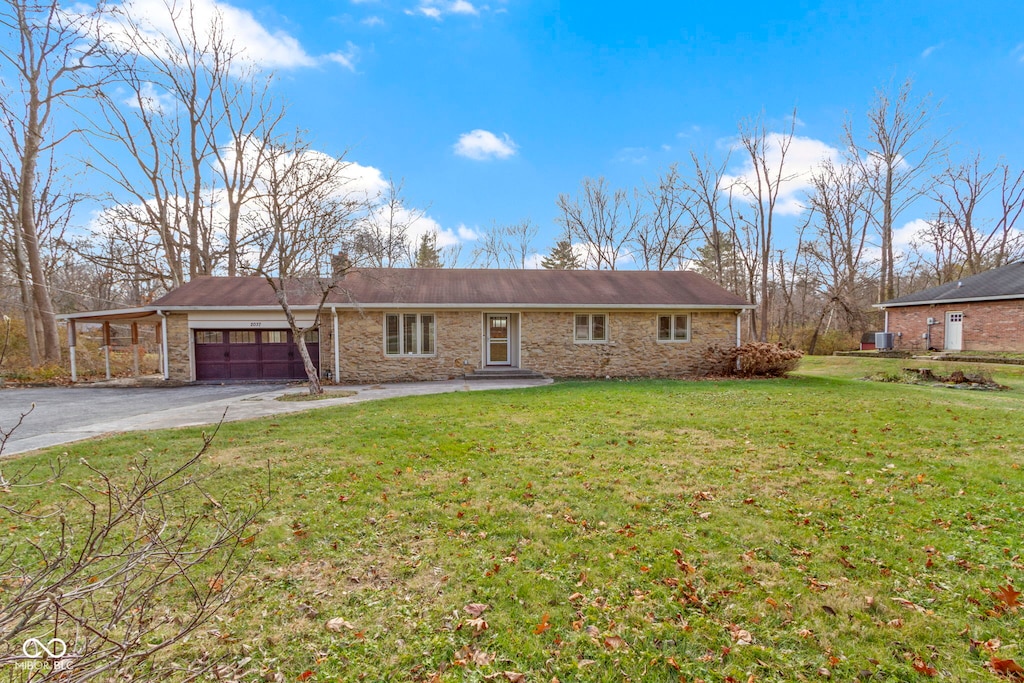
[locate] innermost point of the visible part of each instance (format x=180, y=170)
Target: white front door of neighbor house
x=954, y=331
x=498, y=352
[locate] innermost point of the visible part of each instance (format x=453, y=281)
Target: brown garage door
x=252, y=355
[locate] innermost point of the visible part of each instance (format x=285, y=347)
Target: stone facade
x=546, y=343
x=987, y=326
x=362, y=358
x=179, y=344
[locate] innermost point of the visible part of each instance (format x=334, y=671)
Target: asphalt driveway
x=63, y=414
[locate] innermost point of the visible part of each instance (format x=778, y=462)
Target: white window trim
x=672, y=328
x=590, y=329
x=418, y=327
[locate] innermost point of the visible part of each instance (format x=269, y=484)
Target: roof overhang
x=935, y=302
x=118, y=315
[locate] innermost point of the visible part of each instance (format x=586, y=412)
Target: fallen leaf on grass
x=923, y=667
x=305, y=675
x=543, y=625
x=478, y=625
x=614, y=643
x=740, y=636
x=1007, y=668
x=1007, y=596
x=216, y=584
x=475, y=609
x=337, y=625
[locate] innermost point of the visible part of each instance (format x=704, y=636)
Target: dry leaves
x=543, y=625
x=337, y=625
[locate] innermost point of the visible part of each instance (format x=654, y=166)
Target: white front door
x=954, y=331
x=498, y=351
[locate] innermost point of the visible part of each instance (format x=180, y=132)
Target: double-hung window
x=409, y=334
x=674, y=327
x=591, y=327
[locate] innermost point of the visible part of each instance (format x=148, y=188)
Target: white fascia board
x=544, y=307
x=939, y=302
x=147, y=310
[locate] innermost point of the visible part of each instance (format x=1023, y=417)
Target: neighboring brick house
x=984, y=312
x=428, y=324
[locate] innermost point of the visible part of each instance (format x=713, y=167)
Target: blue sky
x=561, y=90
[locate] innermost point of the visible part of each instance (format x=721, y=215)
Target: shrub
x=755, y=359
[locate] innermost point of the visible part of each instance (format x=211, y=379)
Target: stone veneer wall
x=179, y=362
x=362, y=348
x=987, y=326
x=632, y=350
x=547, y=346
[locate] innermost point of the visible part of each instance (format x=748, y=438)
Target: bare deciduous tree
x=304, y=211
x=960, y=234
x=123, y=567
x=601, y=220
x=663, y=238
x=50, y=63
x=842, y=207
x=383, y=236
x=766, y=153
x=896, y=163
x=506, y=246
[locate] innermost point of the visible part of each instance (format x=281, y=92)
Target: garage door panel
x=249, y=355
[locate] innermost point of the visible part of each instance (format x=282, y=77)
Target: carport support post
x=72, y=340
x=106, y=346
x=135, y=349
x=337, y=350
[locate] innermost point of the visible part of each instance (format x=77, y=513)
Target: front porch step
x=504, y=373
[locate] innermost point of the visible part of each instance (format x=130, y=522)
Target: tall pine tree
x=427, y=256
x=562, y=257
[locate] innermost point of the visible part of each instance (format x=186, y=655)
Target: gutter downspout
x=886, y=327
x=739, y=335
x=163, y=344
x=337, y=349
x=72, y=343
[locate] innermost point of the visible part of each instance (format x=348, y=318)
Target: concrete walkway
x=205, y=407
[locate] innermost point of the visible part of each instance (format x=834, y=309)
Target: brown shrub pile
x=753, y=359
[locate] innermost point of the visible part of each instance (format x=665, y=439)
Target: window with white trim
x=409, y=334
x=591, y=327
x=674, y=327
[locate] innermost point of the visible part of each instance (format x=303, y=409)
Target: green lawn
x=799, y=529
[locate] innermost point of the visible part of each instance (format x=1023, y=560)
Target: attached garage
x=251, y=355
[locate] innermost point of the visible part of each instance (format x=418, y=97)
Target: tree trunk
x=41, y=302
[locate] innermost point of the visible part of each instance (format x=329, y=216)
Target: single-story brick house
x=984, y=312
x=428, y=324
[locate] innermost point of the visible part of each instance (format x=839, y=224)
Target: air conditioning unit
x=931, y=321
x=883, y=341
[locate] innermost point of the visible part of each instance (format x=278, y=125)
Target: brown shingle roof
x=445, y=287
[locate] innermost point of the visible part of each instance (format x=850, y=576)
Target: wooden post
x=135, y=349
x=106, y=346
x=72, y=342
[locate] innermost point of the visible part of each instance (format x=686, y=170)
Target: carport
x=131, y=316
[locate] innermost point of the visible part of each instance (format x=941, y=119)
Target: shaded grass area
x=787, y=529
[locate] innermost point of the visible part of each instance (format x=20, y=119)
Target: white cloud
x=482, y=145
x=435, y=9
x=151, y=99
x=632, y=155
x=372, y=21
x=466, y=233
x=533, y=261
x=930, y=50
x=802, y=159
x=265, y=46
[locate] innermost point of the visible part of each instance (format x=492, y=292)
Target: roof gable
x=444, y=287
x=1006, y=282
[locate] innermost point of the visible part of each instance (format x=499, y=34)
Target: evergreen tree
x=562, y=257
x=427, y=256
